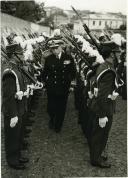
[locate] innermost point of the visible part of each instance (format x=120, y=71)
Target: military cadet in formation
x=121, y=70
x=102, y=107
x=59, y=71
x=14, y=107
x=101, y=88
x=18, y=85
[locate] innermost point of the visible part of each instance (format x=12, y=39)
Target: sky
x=93, y=5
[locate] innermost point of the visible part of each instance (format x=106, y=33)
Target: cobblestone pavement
x=66, y=154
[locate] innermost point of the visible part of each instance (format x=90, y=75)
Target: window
x=93, y=22
x=99, y=23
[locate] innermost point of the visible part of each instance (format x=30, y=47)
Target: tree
x=27, y=10
x=122, y=27
x=8, y=7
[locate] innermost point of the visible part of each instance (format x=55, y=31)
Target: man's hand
x=13, y=121
x=113, y=96
x=102, y=121
x=19, y=95
x=38, y=85
x=71, y=89
x=90, y=94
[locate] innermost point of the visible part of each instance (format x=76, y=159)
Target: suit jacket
x=58, y=73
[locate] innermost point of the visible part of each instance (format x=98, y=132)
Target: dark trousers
x=12, y=140
x=23, y=127
x=56, y=108
x=124, y=92
x=84, y=121
x=76, y=98
x=99, y=136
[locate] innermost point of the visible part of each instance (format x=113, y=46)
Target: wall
x=13, y=24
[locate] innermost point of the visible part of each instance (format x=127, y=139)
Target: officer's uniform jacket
x=13, y=82
x=101, y=86
x=58, y=73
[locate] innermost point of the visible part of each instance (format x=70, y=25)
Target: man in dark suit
x=59, y=71
x=102, y=107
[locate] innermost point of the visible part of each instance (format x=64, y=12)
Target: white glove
x=71, y=89
x=13, y=121
x=85, y=83
x=19, y=95
x=38, y=85
x=125, y=63
x=113, y=96
x=31, y=87
x=90, y=94
x=102, y=121
x=95, y=92
x=27, y=92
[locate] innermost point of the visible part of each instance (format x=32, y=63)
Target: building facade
x=99, y=22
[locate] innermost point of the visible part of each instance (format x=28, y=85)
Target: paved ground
x=66, y=154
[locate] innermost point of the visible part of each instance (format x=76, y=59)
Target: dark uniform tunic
x=12, y=107
x=101, y=106
x=122, y=72
x=57, y=75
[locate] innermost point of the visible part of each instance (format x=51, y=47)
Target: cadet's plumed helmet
x=14, y=48
x=56, y=33
x=117, y=39
x=105, y=51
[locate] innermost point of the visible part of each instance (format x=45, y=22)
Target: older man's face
x=57, y=50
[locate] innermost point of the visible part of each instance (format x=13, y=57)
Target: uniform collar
x=59, y=55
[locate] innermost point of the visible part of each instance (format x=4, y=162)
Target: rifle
x=87, y=30
x=32, y=36
x=78, y=50
x=22, y=69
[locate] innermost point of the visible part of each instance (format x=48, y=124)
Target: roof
x=102, y=16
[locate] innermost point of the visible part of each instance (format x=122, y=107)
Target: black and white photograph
x=63, y=88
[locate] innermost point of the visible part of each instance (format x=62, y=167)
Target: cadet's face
x=118, y=55
x=110, y=58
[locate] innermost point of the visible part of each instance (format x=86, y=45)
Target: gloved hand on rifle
x=38, y=85
x=13, y=121
x=103, y=121
x=113, y=96
x=19, y=95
